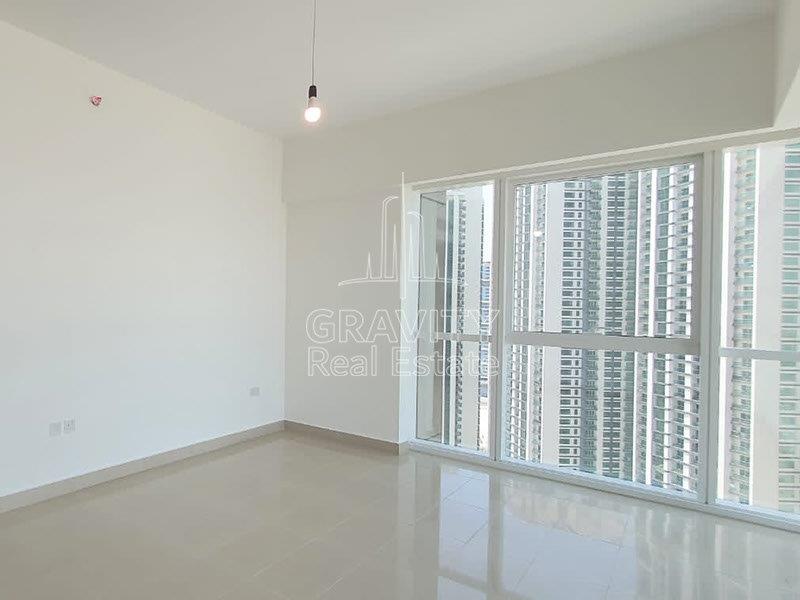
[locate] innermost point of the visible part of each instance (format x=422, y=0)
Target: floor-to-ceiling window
x=603, y=368
x=638, y=325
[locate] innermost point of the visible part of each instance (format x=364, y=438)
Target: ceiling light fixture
x=313, y=111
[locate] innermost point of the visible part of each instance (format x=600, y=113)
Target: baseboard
x=80, y=482
x=74, y=484
x=349, y=438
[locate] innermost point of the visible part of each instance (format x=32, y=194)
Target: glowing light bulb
x=313, y=112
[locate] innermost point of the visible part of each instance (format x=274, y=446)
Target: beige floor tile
x=456, y=520
x=256, y=550
x=309, y=571
x=376, y=581
x=291, y=517
x=417, y=547
x=250, y=591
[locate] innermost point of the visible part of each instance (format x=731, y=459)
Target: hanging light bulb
x=313, y=110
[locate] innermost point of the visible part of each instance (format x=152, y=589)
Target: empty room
x=422, y=300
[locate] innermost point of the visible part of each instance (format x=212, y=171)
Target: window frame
x=599, y=341
x=596, y=341
x=720, y=350
x=479, y=338
x=708, y=155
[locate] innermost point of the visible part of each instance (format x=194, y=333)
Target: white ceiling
x=249, y=59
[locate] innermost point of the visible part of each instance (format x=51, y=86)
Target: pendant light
x=313, y=111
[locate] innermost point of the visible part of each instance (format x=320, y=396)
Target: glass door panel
x=759, y=400
x=455, y=310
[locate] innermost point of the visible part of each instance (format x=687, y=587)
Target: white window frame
x=596, y=341
x=495, y=349
x=707, y=155
x=721, y=350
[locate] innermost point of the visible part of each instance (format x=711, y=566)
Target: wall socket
x=55, y=429
x=255, y=391
x=69, y=426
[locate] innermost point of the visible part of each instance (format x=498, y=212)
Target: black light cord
x=313, y=42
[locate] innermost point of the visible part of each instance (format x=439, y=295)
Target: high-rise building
x=463, y=282
x=668, y=393
x=761, y=398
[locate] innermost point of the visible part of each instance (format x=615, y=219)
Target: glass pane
x=759, y=428
x=609, y=254
x=456, y=258
x=761, y=298
x=453, y=395
x=455, y=298
x=759, y=454
x=626, y=415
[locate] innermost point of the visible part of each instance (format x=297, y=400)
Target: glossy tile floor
x=291, y=516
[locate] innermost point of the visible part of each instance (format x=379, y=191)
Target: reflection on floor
x=291, y=516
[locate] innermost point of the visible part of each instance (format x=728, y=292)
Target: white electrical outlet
x=255, y=391
x=69, y=426
x=55, y=429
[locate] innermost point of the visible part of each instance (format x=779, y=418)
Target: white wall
x=335, y=179
x=330, y=245
x=142, y=268
x=787, y=64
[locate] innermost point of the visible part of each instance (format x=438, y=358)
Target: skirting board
x=350, y=438
x=74, y=484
